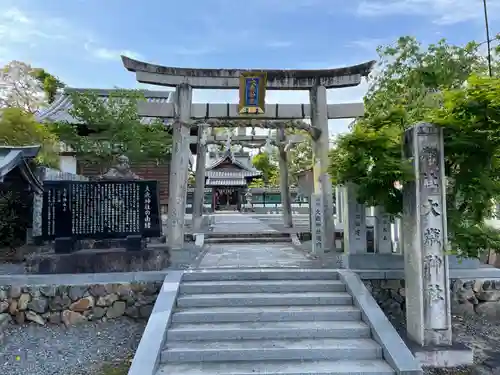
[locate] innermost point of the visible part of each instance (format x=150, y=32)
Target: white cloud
x=103, y=53
x=20, y=31
x=370, y=44
x=278, y=44
x=442, y=12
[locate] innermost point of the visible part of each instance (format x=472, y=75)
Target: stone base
x=96, y=261
x=396, y=262
x=444, y=356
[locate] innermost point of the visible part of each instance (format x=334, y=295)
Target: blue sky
x=80, y=40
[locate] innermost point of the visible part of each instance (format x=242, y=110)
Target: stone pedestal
x=286, y=199
x=354, y=222
x=383, y=239
x=179, y=168
x=199, y=190
x=322, y=181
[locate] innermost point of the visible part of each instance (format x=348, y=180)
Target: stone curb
x=147, y=356
x=395, y=350
x=83, y=278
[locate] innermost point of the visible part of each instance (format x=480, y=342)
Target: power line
x=488, y=42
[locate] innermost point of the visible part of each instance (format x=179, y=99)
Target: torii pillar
x=322, y=182
x=179, y=168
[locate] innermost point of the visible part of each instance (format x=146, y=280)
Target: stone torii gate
x=185, y=114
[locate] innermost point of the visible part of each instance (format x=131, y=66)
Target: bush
x=14, y=219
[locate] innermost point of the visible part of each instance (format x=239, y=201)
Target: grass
x=115, y=368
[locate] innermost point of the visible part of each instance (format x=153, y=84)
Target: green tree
x=112, y=128
x=50, y=84
x=265, y=163
x=18, y=128
x=470, y=117
x=257, y=183
x=300, y=156
x=413, y=84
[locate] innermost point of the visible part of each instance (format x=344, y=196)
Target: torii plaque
x=252, y=93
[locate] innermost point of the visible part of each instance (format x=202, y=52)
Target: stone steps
x=243, y=275
x=264, y=299
x=248, y=239
x=268, y=330
x=341, y=367
x=271, y=350
x=274, y=321
x=267, y=234
x=267, y=314
x=260, y=286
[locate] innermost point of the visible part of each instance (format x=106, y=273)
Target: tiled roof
x=226, y=182
x=59, y=109
x=242, y=162
x=13, y=157
x=231, y=174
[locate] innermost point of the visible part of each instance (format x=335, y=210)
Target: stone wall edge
x=147, y=355
x=83, y=278
x=395, y=350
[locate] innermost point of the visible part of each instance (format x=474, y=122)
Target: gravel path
x=78, y=350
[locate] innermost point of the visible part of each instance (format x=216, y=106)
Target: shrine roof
x=17, y=157
x=59, y=110
x=242, y=166
x=226, y=182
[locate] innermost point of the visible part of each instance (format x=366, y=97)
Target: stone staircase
x=256, y=237
x=250, y=322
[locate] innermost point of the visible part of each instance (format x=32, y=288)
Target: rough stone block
x=64, y=245
x=96, y=261
x=134, y=243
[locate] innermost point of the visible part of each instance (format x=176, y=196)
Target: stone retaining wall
x=73, y=304
x=481, y=297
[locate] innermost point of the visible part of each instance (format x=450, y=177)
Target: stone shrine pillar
x=199, y=190
x=339, y=201
x=286, y=199
x=179, y=167
x=396, y=235
x=382, y=235
x=354, y=222
x=428, y=316
x=322, y=182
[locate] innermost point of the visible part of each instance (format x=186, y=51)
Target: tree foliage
x=413, y=83
x=18, y=128
x=105, y=129
x=268, y=166
x=50, y=84
x=25, y=87
x=300, y=156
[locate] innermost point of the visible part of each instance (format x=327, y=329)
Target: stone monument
x=425, y=243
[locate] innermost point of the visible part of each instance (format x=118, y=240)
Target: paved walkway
x=255, y=255
x=238, y=223
x=250, y=255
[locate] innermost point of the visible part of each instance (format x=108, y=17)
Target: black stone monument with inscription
x=80, y=210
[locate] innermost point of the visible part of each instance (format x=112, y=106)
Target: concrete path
x=238, y=223
x=255, y=255
x=249, y=255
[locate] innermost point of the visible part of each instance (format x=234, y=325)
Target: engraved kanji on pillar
x=425, y=238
